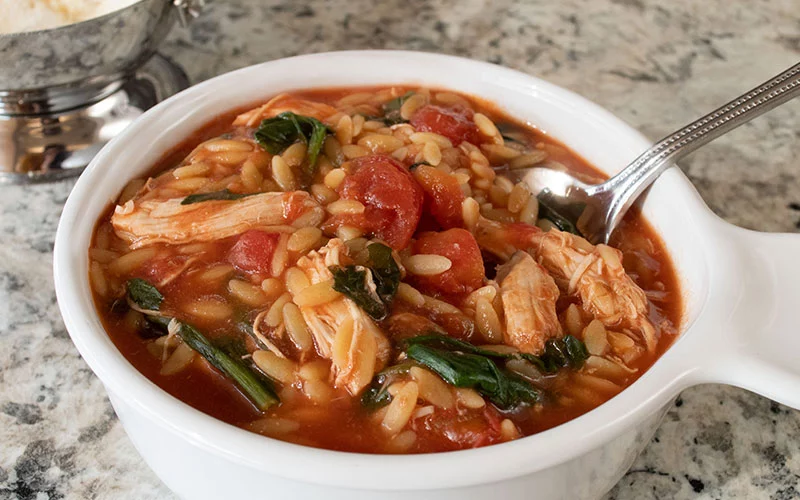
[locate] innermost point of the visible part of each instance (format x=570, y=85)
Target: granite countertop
x=657, y=65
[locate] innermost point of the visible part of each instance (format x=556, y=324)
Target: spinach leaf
x=567, y=351
x=508, y=138
x=385, y=271
x=564, y=352
x=214, y=195
x=462, y=364
x=513, y=133
x=253, y=387
x=417, y=164
x=144, y=295
x=147, y=296
x=377, y=394
x=247, y=328
x=481, y=373
x=391, y=109
x=278, y=133
x=449, y=343
x=353, y=281
x=315, y=143
x=372, y=288
x=562, y=217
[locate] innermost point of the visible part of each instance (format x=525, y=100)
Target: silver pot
x=57, y=69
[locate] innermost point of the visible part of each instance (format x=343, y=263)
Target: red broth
x=214, y=288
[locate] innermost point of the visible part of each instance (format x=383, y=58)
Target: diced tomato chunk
x=455, y=123
x=391, y=197
x=443, y=196
x=466, y=273
x=159, y=269
x=253, y=251
x=519, y=234
x=461, y=429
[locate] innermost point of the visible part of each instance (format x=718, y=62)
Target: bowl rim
x=454, y=469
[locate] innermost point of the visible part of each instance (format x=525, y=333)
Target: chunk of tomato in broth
x=253, y=251
x=518, y=234
x=457, y=429
x=390, y=195
x=443, y=196
x=466, y=272
x=454, y=122
x=162, y=267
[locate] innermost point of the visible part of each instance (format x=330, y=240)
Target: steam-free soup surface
x=352, y=269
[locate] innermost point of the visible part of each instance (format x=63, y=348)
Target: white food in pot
x=34, y=15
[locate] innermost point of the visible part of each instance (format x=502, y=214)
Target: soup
x=354, y=269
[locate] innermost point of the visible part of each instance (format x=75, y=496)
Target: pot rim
x=453, y=469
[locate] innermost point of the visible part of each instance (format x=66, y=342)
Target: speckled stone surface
x=655, y=64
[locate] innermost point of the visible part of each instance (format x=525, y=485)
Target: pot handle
x=755, y=335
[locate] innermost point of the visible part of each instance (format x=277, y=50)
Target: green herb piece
x=478, y=372
x=254, y=388
x=377, y=394
x=397, y=103
x=385, y=271
x=512, y=133
x=391, y=109
x=315, y=143
x=561, y=217
x=508, y=138
x=278, y=133
x=372, y=288
x=356, y=283
x=233, y=345
x=375, y=397
x=417, y=164
x=147, y=297
x=462, y=364
x=449, y=343
x=247, y=329
x=575, y=350
x=144, y=295
x=214, y=195
x=567, y=351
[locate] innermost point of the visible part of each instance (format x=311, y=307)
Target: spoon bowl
x=596, y=210
x=584, y=206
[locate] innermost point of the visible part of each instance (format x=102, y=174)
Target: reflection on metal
x=189, y=10
x=47, y=147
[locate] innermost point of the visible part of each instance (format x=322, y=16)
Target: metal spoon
x=605, y=204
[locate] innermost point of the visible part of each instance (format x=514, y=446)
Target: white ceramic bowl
x=741, y=291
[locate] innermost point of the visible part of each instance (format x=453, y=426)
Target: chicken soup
x=354, y=269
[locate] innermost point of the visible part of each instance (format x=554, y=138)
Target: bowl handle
x=752, y=315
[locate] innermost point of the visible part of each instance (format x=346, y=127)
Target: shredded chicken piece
x=341, y=321
x=593, y=273
x=179, y=266
x=259, y=319
x=280, y=104
x=529, y=304
x=145, y=222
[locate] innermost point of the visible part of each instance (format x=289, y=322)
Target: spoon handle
x=627, y=185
